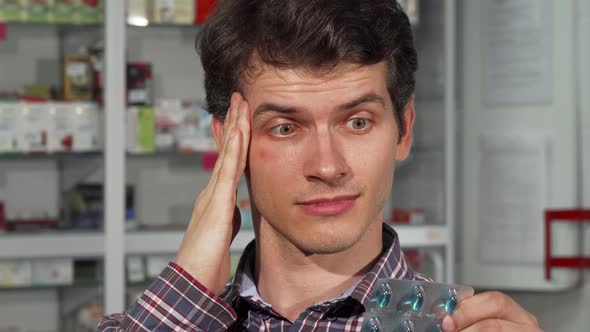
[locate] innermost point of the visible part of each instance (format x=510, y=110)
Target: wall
x=569, y=165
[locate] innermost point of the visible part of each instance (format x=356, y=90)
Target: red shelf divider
x=569, y=216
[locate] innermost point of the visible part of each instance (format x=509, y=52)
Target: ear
x=217, y=127
x=405, y=143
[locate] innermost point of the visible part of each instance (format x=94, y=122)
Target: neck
x=311, y=279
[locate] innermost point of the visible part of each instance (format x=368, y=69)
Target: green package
x=12, y=11
x=65, y=11
x=91, y=12
x=39, y=11
x=146, y=129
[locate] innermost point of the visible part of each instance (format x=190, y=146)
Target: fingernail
x=448, y=325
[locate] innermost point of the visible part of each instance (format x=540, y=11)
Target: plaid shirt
x=176, y=301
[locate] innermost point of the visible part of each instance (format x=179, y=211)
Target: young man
x=313, y=101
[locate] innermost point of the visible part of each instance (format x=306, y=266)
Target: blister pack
x=412, y=306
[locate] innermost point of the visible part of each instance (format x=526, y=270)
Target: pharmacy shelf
x=89, y=245
x=51, y=245
x=168, y=242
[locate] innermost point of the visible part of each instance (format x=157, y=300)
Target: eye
x=358, y=123
x=283, y=130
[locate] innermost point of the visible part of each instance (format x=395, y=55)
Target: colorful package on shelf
x=65, y=11
x=195, y=134
x=78, y=77
x=9, y=119
x=173, y=11
x=12, y=11
x=169, y=115
x=408, y=216
x=141, y=129
x=204, y=9
x=139, y=83
x=86, y=206
x=39, y=92
x=39, y=11
x=33, y=127
x=53, y=272
x=15, y=273
x=90, y=12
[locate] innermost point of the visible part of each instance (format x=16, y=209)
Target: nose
x=325, y=161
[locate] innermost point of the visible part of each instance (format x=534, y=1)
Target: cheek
x=271, y=160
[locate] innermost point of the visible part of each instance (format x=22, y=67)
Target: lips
x=329, y=206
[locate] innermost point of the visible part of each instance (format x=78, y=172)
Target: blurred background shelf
x=51, y=245
x=55, y=244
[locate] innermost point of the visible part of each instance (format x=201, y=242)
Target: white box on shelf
x=33, y=127
x=15, y=273
x=174, y=11
x=9, y=117
x=194, y=134
x=169, y=115
x=50, y=272
x=137, y=12
x=61, y=127
x=86, y=127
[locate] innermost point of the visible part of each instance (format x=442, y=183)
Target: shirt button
x=331, y=318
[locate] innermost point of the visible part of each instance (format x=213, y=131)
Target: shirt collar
x=392, y=264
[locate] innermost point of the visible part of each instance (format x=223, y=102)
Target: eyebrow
x=370, y=97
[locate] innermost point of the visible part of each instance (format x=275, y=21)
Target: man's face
x=322, y=153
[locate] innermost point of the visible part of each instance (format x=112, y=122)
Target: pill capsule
x=372, y=324
x=382, y=295
x=407, y=326
x=451, y=302
x=413, y=301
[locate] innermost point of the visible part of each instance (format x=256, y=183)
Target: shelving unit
x=92, y=244
x=115, y=244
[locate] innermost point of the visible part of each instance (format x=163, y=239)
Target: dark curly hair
x=310, y=35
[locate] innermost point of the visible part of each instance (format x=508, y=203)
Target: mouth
x=329, y=206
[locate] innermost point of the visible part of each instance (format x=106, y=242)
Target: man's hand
x=215, y=221
x=491, y=311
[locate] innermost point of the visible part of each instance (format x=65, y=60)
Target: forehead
x=302, y=84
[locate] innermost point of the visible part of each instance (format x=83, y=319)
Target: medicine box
x=33, y=127
x=15, y=273
x=9, y=117
x=53, y=272
x=39, y=11
x=12, y=11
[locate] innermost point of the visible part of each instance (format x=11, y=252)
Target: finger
x=244, y=125
x=228, y=174
x=218, y=163
x=484, y=306
x=229, y=123
x=493, y=325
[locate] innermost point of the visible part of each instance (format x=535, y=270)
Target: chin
x=327, y=238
